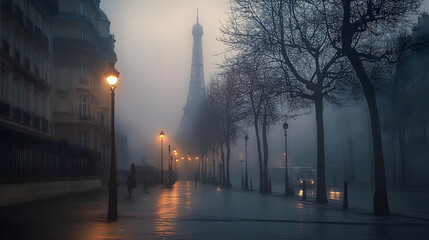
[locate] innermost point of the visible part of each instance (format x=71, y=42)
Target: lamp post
x=161, y=135
x=112, y=77
x=214, y=167
x=246, y=185
x=288, y=188
x=175, y=164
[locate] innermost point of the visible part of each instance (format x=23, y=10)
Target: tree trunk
x=404, y=182
x=228, y=154
x=222, y=154
x=321, y=186
x=258, y=145
x=381, y=203
x=265, y=145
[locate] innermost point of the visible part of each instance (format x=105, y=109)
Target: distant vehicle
x=299, y=174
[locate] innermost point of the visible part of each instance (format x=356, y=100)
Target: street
x=189, y=211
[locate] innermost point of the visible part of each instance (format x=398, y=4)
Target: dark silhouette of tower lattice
x=196, y=93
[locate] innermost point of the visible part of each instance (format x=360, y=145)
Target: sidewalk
x=187, y=211
x=407, y=203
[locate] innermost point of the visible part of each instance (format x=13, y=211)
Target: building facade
x=406, y=114
x=26, y=66
x=83, y=47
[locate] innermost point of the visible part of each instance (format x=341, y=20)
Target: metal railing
x=24, y=156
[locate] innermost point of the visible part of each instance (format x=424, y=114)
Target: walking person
x=131, y=180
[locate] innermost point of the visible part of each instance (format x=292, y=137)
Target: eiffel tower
x=188, y=129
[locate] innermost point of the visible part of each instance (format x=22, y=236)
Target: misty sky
x=154, y=47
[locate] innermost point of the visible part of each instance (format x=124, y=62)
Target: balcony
x=84, y=118
x=17, y=56
x=44, y=124
x=19, y=15
x=5, y=46
x=36, y=122
x=83, y=80
x=16, y=114
x=27, y=63
x=4, y=110
x=62, y=43
x=29, y=25
x=26, y=118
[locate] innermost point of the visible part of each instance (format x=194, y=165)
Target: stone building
x=405, y=114
x=26, y=66
x=83, y=47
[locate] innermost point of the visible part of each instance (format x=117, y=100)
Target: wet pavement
x=187, y=211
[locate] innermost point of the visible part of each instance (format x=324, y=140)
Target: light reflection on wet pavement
x=186, y=211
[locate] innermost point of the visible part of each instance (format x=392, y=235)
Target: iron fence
x=23, y=155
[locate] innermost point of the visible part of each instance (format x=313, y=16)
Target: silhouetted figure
x=131, y=180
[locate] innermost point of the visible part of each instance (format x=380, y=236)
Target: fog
x=154, y=48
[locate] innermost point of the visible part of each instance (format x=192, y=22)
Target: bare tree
x=359, y=29
x=261, y=89
x=293, y=34
x=223, y=97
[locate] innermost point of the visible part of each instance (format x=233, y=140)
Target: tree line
x=287, y=55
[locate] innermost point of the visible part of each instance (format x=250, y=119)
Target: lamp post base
x=112, y=212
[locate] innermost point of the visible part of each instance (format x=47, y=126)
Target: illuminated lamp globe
x=112, y=75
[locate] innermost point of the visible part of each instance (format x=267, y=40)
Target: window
x=36, y=103
x=4, y=30
x=44, y=69
x=84, y=139
x=25, y=98
x=44, y=105
x=83, y=78
x=82, y=34
x=103, y=152
x=3, y=87
x=16, y=93
x=82, y=8
x=17, y=43
x=419, y=130
x=83, y=106
x=102, y=119
x=26, y=49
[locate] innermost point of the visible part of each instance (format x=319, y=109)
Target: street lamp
x=174, y=168
x=288, y=188
x=112, y=77
x=161, y=135
x=246, y=185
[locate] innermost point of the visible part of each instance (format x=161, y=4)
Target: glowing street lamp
x=112, y=77
x=161, y=135
x=288, y=188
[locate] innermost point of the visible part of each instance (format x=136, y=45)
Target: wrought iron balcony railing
x=26, y=118
x=5, y=46
x=4, y=110
x=17, y=114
